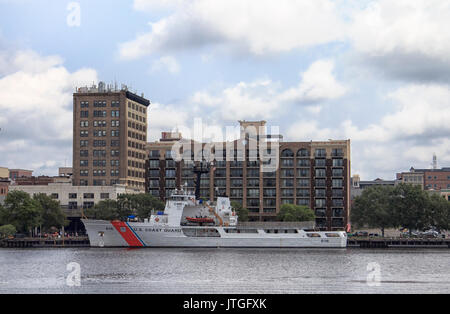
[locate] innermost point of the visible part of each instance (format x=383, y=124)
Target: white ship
x=188, y=222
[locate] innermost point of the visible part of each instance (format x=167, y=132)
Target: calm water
x=233, y=271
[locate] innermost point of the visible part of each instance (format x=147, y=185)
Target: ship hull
x=127, y=234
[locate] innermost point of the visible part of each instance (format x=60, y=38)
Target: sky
x=376, y=72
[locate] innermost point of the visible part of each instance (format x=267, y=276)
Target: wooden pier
x=45, y=242
x=384, y=243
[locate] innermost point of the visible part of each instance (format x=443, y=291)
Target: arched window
x=303, y=152
x=287, y=153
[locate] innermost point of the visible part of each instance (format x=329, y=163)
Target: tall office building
x=315, y=174
x=109, y=137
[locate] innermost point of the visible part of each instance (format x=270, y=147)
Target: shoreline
x=352, y=243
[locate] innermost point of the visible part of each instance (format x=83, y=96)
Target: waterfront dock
x=45, y=242
x=384, y=243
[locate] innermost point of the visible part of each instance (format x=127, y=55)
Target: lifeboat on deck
x=200, y=220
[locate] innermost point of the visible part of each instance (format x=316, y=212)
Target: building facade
x=19, y=173
x=358, y=186
x=109, y=137
x=75, y=197
x=315, y=174
x=428, y=179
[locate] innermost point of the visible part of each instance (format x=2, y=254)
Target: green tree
x=412, y=207
x=21, y=211
x=52, y=215
x=241, y=212
x=290, y=212
x=374, y=208
x=6, y=231
x=145, y=203
x=438, y=210
x=125, y=206
x=104, y=210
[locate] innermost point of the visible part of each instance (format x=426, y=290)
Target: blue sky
x=375, y=72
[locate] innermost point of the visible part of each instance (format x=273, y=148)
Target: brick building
x=109, y=137
x=428, y=179
x=315, y=174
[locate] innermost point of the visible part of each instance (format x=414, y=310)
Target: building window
x=320, y=173
x=320, y=152
x=338, y=173
x=303, y=152
x=320, y=182
x=72, y=195
x=287, y=172
x=84, y=114
x=320, y=192
x=337, y=152
x=287, y=182
x=338, y=183
x=73, y=205
x=303, y=173
x=170, y=173
x=115, y=133
x=104, y=196
x=287, y=153
x=84, y=124
x=115, y=103
x=54, y=196
x=320, y=202
x=84, y=143
x=84, y=163
x=320, y=162
x=303, y=182
x=84, y=173
x=303, y=201
x=338, y=162
x=303, y=193
x=84, y=104
x=115, y=113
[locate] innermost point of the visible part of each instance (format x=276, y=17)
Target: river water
x=230, y=271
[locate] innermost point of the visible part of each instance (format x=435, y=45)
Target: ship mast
x=199, y=169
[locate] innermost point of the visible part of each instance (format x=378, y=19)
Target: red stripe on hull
x=126, y=233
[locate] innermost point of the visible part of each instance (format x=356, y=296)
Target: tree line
x=404, y=205
x=126, y=205
x=22, y=213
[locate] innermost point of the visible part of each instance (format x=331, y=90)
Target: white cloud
x=36, y=106
x=407, y=137
x=259, y=27
x=162, y=118
x=318, y=84
x=407, y=39
x=166, y=63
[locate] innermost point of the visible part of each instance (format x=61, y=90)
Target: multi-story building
x=358, y=186
x=109, y=137
x=75, y=198
x=428, y=179
x=65, y=172
x=19, y=173
x=4, y=187
x=315, y=174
